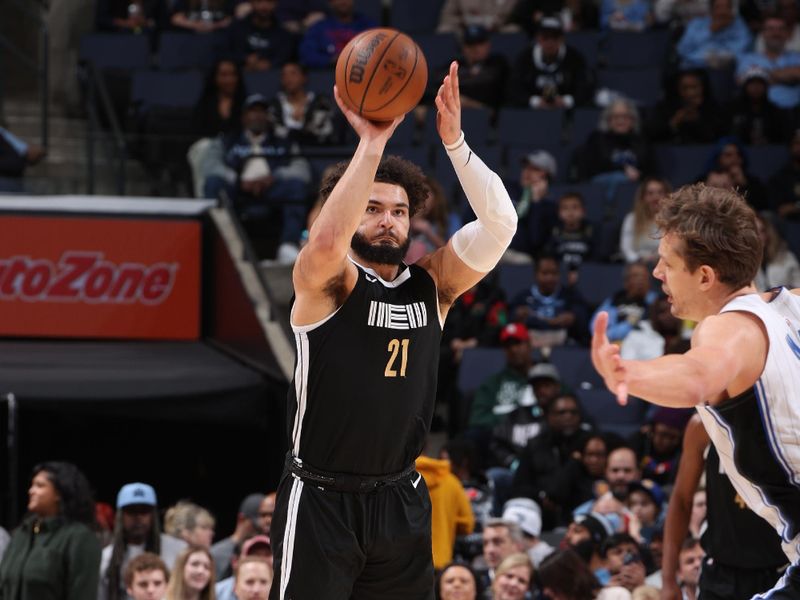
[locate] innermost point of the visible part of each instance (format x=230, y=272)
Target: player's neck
x=718, y=301
x=385, y=272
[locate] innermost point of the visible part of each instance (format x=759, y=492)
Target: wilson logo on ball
x=362, y=58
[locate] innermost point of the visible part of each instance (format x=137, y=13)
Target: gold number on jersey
x=394, y=349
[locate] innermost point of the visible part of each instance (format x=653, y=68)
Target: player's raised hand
x=607, y=361
x=448, y=105
x=366, y=129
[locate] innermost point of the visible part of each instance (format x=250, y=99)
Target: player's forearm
x=675, y=529
x=341, y=214
x=673, y=380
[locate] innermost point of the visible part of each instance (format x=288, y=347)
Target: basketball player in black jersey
x=743, y=553
x=352, y=518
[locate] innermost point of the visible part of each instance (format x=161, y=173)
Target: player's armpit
x=452, y=276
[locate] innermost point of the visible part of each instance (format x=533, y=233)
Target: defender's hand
x=367, y=130
x=607, y=361
x=448, y=104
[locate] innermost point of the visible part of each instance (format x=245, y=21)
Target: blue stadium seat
x=438, y=48
x=790, y=230
x=510, y=45
x=644, y=85
x=370, y=8
x=115, y=51
x=765, y=161
x=415, y=16
x=627, y=49
x=178, y=50
x=574, y=364
x=682, y=164
x=267, y=83
x=584, y=122
x=598, y=281
x=419, y=155
x=169, y=90
x=513, y=279
x=529, y=127
x=601, y=406
x=587, y=43
x=404, y=134
x=321, y=81
x=517, y=153
x=476, y=365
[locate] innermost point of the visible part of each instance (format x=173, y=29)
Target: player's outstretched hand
x=366, y=129
x=448, y=105
x=607, y=361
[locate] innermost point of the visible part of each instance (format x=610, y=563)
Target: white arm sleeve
x=481, y=243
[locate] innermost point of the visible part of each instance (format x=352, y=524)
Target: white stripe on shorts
x=289, y=534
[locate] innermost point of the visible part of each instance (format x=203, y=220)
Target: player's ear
x=708, y=277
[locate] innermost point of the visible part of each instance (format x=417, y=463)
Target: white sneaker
x=287, y=253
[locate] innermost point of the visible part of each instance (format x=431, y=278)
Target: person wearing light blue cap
x=136, y=530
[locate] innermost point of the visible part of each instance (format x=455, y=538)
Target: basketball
x=381, y=74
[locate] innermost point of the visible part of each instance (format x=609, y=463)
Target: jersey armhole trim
x=311, y=326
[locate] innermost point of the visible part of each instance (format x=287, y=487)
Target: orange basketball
x=381, y=74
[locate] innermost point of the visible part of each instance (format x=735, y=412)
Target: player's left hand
x=607, y=361
x=448, y=105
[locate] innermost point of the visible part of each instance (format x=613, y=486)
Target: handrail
x=42, y=67
x=96, y=87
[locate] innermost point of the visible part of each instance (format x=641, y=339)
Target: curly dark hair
x=76, y=497
x=392, y=169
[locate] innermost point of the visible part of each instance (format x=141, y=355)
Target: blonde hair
x=643, y=215
x=176, y=590
x=185, y=517
x=518, y=559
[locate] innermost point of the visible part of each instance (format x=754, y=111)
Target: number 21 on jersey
x=398, y=352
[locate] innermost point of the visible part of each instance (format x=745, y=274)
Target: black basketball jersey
x=736, y=536
x=364, y=386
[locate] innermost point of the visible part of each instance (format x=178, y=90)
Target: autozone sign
x=87, y=277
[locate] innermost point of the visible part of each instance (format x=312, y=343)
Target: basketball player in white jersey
x=742, y=372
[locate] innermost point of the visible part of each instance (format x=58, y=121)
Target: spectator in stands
x=779, y=265
x=616, y=150
x=15, y=157
x=458, y=582
x=501, y=539
x=258, y=545
x=247, y=525
x=688, y=114
x=784, y=186
x=513, y=578
x=622, y=468
x=130, y=16
x=308, y=116
x=639, y=236
x=219, y=110
x=298, y=15
x=325, y=39
x=270, y=173
x=265, y=512
x=536, y=210
x=554, y=312
x=465, y=464
x=652, y=337
x=458, y=15
x=625, y=15
x=629, y=306
x=573, y=239
x=730, y=155
x=718, y=177
x=647, y=502
x=202, y=16
x=136, y=530
x=529, y=517
x=585, y=536
x=563, y=575
x=624, y=566
x=482, y=74
x=547, y=453
x=146, y=577
x=258, y=42
x=755, y=119
x=432, y=226
x=451, y=513
x=253, y=578
x=782, y=65
x=788, y=11
x=576, y=15
x=550, y=74
x=191, y=523
x=53, y=554
x=678, y=13
x=716, y=40
x=690, y=560
x=192, y=576
x=575, y=483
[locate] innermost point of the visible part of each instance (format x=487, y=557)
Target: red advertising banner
x=99, y=278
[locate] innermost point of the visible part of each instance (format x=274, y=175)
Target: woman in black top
x=219, y=110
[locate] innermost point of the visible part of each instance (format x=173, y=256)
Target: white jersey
x=757, y=433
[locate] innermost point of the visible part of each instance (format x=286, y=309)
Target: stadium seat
x=598, y=281
x=419, y=155
x=601, y=406
x=178, y=50
x=723, y=84
x=169, y=90
x=587, y=43
x=529, y=127
x=627, y=49
x=643, y=85
x=115, y=51
x=513, y=279
x=765, y=161
x=321, y=81
x=476, y=365
x=584, y=122
x=370, y=8
x=510, y=45
x=439, y=49
x=574, y=364
x=790, y=230
x=404, y=134
x=682, y=164
x=415, y=16
x=267, y=83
